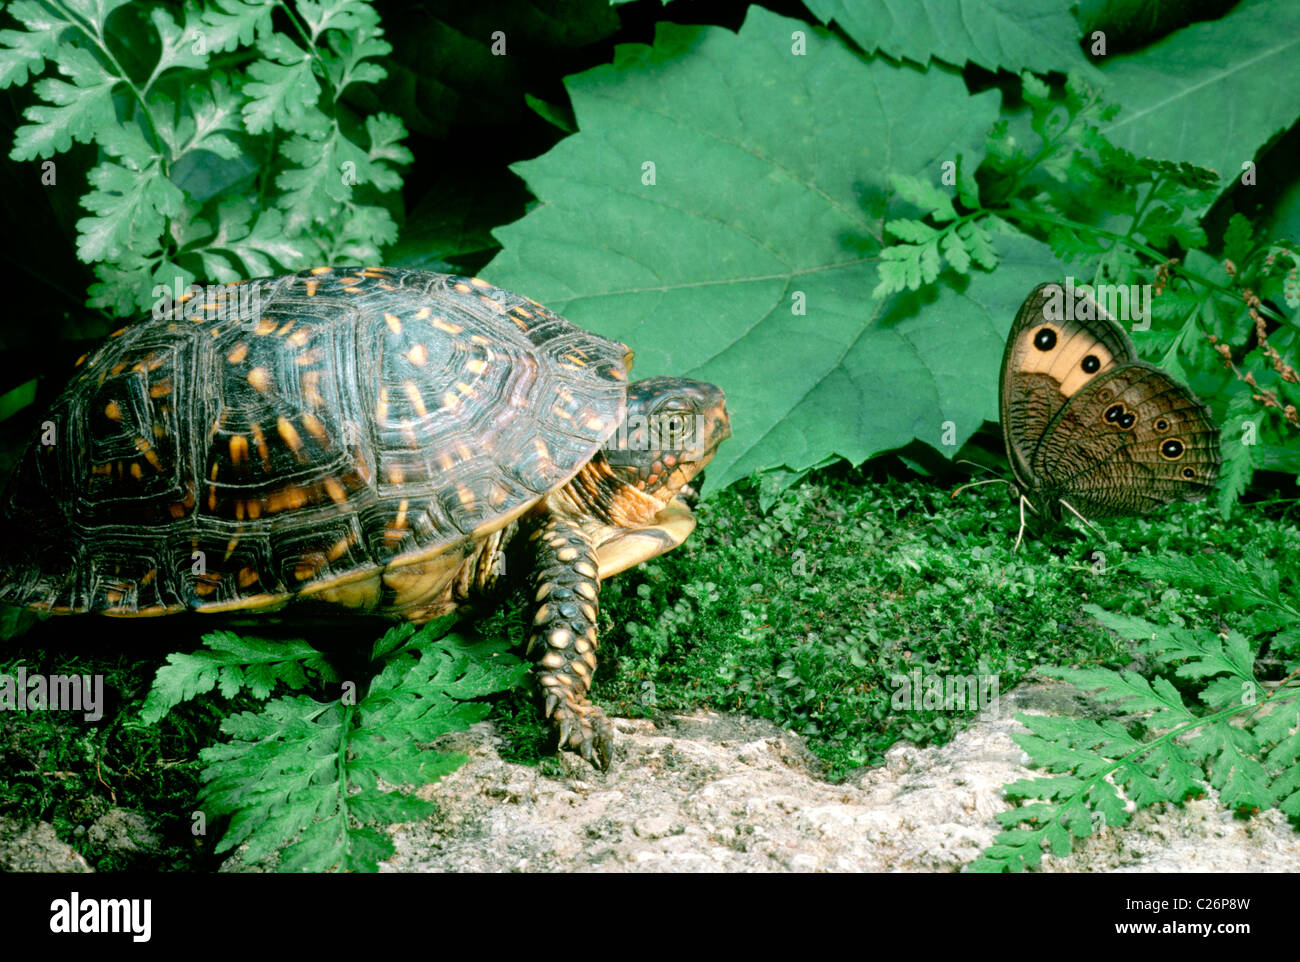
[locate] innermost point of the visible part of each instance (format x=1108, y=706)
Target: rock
x=35, y=848
x=723, y=793
x=119, y=830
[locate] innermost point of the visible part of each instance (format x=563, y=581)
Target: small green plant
x=1240, y=739
x=229, y=153
x=301, y=777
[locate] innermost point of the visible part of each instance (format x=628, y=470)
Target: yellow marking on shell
x=338, y=549
x=254, y=508
x=543, y=452
x=480, y=339
x=309, y=358
x=521, y=312
x=423, y=313
x=584, y=569
x=288, y=433
x=262, y=451
x=238, y=449
x=479, y=282
x=237, y=353
x=264, y=326
x=552, y=659
x=120, y=331
x=215, y=468
x=396, y=474
x=260, y=379
x=396, y=529
x=495, y=305
x=351, y=279
x=408, y=434
x=445, y=462
x=476, y=365
x=463, y=450
x=360, y=591
x=461, y=287
x=212, y=497
x=446, y=327
x=560, y=412
x=322, y=270
x=285, y=328
x=118, y=369
x=252, y=603
x=450, y=401
x=145, y=448
x=335, y=491
x=595, y=424
x=352, y=290
x=112, y=411
x=314, y=427
x=104, y=469
x=248, y=576
x=465, y=494
x=418, y=355
x=381, y=408
x=160, y=388
x=135, y=470
x=465, y=389
x=81, y=360
x=291, y=498
x=373, y=272
x=311, y=388
x=311, y=288
x=299, y=338
x=231, y=545
x=415, y=397
x=394, y=323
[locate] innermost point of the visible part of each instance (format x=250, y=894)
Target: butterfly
x=1089, y=426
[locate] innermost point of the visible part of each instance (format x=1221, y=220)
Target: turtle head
x=672, y=429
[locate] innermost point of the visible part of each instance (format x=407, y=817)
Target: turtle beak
x=690, y=493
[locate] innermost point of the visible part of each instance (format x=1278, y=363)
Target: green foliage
x=228, y=154
x=1239, y=740
x=301, y=776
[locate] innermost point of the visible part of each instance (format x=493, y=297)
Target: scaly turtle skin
x=365, y=438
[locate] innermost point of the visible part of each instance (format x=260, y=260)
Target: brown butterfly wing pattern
x=1043, y=366
x=1088, y=423
x=1130, y=441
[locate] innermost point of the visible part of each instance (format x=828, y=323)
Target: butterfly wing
x=1130, y=440
x=1055, y=349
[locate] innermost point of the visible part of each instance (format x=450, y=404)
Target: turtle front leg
x=564, y=639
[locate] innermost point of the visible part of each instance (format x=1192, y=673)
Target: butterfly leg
x=1101, y=534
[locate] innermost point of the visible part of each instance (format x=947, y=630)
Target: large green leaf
x=771, y=175
x=1012, y=35
x=1212, y=93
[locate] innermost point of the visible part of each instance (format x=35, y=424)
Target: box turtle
x=369, y=439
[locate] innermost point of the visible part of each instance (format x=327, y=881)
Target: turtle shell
x=294, y=435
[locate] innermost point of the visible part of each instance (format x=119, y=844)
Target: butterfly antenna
x=976, y=484
x=975, y=464
x=1101, y=534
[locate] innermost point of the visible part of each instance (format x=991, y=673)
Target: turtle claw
x=585, y=729
x=552, y=702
